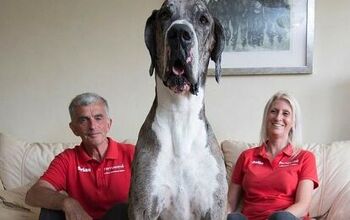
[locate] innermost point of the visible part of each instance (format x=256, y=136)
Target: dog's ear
x=218, y=48
x=150, y=39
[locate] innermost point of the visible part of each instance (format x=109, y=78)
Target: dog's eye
x=164, y=15
x=203, y=20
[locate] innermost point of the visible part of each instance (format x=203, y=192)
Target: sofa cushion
x=332, y=167
x=12, y=205
x=1, y=185
x=22, y=163
x=231, y=150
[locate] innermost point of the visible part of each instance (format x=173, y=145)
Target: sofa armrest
x=339, y=208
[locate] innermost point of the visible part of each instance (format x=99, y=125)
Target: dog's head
x=181, y=37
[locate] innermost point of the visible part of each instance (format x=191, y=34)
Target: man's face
x=92, y=124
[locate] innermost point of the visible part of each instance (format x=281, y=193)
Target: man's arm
x=43, y=194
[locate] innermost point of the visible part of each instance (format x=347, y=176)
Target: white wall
x=52, y=50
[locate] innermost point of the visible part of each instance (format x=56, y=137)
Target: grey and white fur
x=178, y=171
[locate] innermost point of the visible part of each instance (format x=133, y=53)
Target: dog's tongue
x=178, y=71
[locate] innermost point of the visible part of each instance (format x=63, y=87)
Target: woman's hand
x=234, y=194
x=303, y=199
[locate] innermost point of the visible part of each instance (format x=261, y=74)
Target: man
x=95, y=174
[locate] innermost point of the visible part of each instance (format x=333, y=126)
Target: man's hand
x=73, y=210
x=43, y=194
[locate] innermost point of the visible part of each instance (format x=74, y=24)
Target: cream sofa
x=22, y=163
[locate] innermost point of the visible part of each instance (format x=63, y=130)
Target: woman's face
x=279, y=119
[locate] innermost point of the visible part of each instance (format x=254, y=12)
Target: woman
x=276, y=179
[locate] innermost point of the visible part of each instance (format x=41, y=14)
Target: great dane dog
x=178, y=171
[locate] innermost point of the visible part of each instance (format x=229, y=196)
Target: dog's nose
x=181, y=33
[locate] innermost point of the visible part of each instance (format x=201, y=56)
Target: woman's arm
x=234, y=195
x=303, y=198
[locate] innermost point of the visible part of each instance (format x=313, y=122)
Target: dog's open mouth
x=177, y=80
x=179, y=84
x=177, y=76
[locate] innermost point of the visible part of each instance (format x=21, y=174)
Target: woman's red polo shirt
x=271, y=186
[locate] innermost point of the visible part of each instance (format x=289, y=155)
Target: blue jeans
x=117, y=212
x=280, y=215
x=236, y=216
x=46, y=214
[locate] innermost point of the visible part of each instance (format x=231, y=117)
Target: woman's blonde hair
x=295, y=135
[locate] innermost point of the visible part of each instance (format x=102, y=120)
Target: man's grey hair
x=295, y=136
x=86, y=99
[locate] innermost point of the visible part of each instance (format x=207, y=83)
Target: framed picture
x=265, y=37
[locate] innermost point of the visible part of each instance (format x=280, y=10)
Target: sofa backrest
x=332, y=161
x=22, y=163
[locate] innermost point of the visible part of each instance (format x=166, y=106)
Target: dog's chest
x=184, y=178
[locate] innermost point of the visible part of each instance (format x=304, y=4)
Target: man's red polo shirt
x=97, y=186
x=271, y=186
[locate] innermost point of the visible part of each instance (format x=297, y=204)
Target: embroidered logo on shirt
x=114, y=169
x=84, y=169
x=257, y=162
x=288, y=163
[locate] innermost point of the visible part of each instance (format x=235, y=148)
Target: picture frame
x=262, y=48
